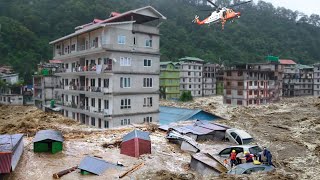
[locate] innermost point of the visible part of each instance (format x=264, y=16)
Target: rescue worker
x=233, y=158
x=248, y=157
x=240, y=157
x=268, y=155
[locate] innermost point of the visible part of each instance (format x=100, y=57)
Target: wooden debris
x=64, y=172
x=131, y=170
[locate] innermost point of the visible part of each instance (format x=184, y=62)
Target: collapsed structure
x=136, y=143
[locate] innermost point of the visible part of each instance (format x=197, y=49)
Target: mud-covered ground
x=290, y=129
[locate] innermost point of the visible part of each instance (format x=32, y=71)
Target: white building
x=110, y=74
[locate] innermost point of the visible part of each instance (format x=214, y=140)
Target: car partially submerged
x=252, y=149
x=248, y=168
x=238, y=136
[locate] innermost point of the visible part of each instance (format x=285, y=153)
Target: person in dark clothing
x=268, y=155
x=233, y=158
x=248, y=157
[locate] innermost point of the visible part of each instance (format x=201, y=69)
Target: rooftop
x=287, y=62
x=136, y=134
x=95, y=165
x=48, y=135
x=172, y=114
x=8, y=143
x=139, y=16
x=191, y=59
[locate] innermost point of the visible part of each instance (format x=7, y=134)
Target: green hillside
x=28, y=25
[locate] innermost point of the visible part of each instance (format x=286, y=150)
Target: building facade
x=316, y=79
x=210, y=79
x=191, y=75
x=253, y=84
x=110, y=70
x=169, y=80
x=44, y=83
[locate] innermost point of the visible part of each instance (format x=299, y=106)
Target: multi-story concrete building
x=111, y=70
x=297, y=79
x=191, y=75
x=303, y=81
x=209, y=79
x=316, y=79
x=44, y=83
x=289, y=72
x=252, y=84
x=169, y=80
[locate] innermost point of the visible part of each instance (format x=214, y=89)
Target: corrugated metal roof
x=48, y=135
x=95, y=165
x=172, y=114
x=211, y=126
x=136, y=134
x=191, y=59
x=8, y=143
x=301, y=66
x=287, y=61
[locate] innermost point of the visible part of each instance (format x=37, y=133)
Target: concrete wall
x=11, y=99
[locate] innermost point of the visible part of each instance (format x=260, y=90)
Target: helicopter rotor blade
x=209, y=1
x=239, y=4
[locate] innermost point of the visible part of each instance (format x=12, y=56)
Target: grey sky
x=306, y=6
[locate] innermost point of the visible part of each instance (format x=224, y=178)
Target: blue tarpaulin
x=172, y=114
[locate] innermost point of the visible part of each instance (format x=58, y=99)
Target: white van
x=238, y=136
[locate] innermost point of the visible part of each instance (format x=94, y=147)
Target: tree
x=186, y=96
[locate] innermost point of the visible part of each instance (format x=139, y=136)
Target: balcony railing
x=86, y=88
x=93, y=68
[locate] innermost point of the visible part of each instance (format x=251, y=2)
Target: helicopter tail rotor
x=196, y=19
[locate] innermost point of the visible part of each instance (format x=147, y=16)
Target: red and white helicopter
x=220, y=14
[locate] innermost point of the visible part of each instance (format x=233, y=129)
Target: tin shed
x=136, y=143
x=94, y=165
x=11, y=148
x=48, y=141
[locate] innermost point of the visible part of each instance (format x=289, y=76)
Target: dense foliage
x=28, y=25
x=186, y=96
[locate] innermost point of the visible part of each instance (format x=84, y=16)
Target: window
x=147, y=62
x=93, y=102
x=239, y=102
x=148, y=42
x=125, y=122
x=125, y=61
x=125, y=82
x=240, y=83
x=147, y=102
x=147, y=82
x=199, y=80
x=147, y=119
x=199, y=73
x=189, y=86
x=228, y=73
x=73, y=47
x=240, y=73
x=93, y=121
x=134, y=41
x=106, y=124
x=261, y=83
x=121, y=39
x=106, y=104
x=240, y=93
x=250, y=92
x=125, y=104
x=183, y=80
x=106, y=83
x=255, y=83
x=228, y=91
x=250, y=83
x=190, y=80
x=189, y=67
x=189, y=73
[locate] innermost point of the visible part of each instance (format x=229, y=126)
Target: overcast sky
x=306, y=6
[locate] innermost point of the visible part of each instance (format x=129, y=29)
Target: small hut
x=136, y=143
x=48, y=141
x=11, y=149
x=93, y=165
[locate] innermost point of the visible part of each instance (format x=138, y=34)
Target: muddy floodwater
x=290, y=129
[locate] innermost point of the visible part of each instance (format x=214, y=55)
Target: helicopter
x=219, y=14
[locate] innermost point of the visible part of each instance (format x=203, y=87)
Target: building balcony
x=84, y=69
x=86, y=89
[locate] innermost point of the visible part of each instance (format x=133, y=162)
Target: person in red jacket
x=233, y=158
x=248, y=157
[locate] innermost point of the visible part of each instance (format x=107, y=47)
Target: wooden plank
x=131, y=170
